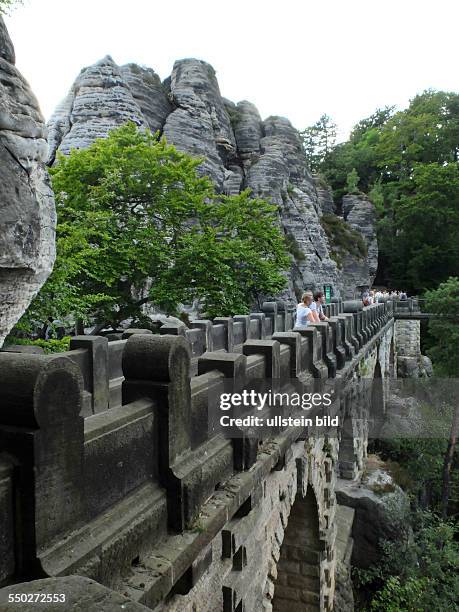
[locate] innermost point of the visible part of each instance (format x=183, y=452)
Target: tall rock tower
x=27, y=213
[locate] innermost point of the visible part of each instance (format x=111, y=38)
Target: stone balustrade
x=107, y=448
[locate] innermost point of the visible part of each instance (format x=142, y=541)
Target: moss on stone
x=344, y=239
x=294, y=248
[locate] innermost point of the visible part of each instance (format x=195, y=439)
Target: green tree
x=418, y=571
x=228, y=260
x=443, y=302
x=425, y=247
x=134, y=213
x=352, y=181
x=399, y=154
x=444, y=328
x=318, y=141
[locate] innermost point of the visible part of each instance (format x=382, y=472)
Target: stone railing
x=107, y=450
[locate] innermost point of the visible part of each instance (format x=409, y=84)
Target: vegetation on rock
x=407, y=162
x=134, y=213
x=344, y=240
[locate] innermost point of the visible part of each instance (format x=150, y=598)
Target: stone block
x=97, y=348
x=270, y=349
x=206, y=326
x=80, y=594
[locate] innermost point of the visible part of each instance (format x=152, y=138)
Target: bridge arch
x=377, y=406
x=298, y=582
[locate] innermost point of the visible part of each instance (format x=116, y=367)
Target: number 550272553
x=36, y=597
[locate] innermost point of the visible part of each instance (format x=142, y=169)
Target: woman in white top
x=304, y=314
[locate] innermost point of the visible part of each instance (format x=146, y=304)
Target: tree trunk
x=449, y=456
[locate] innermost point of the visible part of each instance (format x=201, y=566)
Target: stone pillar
x=270, y=349
x=158, y=367
x=227, y=322
x=337, y=341
x=206, y=326
x=293, y=340
x=407, y=338
x=245, y=320
x=260, y=317
x=41, y=428
x=327, y=347
x=97, y=348
x=270, y=310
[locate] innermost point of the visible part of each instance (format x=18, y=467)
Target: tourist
x=317, y=307
x=403, y=295
x=378, y=296
x=366, y=298
x=304, y=314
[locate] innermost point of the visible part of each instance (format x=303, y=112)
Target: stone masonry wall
x=190, y=521
x=408, y=348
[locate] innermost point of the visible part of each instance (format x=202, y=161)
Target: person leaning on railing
x=304, y=314
x=317, y=307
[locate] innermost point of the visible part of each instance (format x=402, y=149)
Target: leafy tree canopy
x=444, y=328
x=318, y=141
x=138, y=225
x=407, y=161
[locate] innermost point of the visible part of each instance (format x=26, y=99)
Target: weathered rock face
x=240, y=150
x=380, y=511
x=281, y=174
x=99, y=101
x=325, y=196
x=359, y=274
x=27, y=219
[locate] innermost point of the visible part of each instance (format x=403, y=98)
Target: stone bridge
x=114, y=491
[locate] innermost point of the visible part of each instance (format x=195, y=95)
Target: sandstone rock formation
x=380, y=508
x=359, y=274
x=239, y=149
x=27, y=219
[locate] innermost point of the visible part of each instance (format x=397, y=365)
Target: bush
x=417, y=572
x=49, y=346
x=344, y=239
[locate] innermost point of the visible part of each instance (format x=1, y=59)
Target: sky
x=295, y=58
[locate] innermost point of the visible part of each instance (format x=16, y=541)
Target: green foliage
x=352, y=181
x=398, y=596
x=318, y=140
x=49, y=346
x=344, y=239
x=234, y=115
x=444, y=328
x=234, y=254
x=425, y=247
x=133, y=211
x=416, y=465
x=294, y=248
x=417, y=572
x=407, y=161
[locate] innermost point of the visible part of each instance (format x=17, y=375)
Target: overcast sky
x=295, y=58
